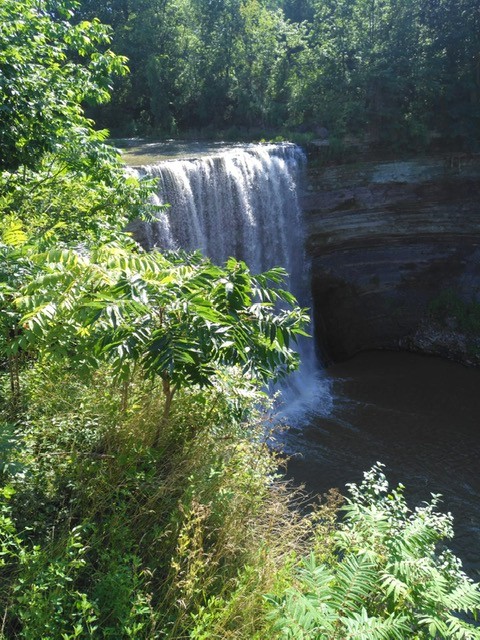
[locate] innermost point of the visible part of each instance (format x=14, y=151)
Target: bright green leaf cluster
x=49, y=66
x=178, y=316
x=391, y=579
x=57, y=174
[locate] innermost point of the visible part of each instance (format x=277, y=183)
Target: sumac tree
x=175, y=316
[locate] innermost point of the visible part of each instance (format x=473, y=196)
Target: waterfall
x=242, y=202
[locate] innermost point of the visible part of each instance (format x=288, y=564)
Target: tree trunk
x=125, y=390
x=169, y=392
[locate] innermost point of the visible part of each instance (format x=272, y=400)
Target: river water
x=418, y=415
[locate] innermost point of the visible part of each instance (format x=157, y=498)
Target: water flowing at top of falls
x=241, y=202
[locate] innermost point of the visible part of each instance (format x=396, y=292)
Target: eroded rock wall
x=388, y=241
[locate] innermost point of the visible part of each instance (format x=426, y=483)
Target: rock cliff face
x=395, y=251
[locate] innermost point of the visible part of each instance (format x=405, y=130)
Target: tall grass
x=104, y=536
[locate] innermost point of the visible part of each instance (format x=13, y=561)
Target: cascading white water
x=242, y=202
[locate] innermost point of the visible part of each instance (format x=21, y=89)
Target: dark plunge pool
x=418, y=415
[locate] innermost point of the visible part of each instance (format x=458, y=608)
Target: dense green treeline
x=140, y=497
x=395, y=73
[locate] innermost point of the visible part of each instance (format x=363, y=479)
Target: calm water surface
x=418, y=415
x=138, y=151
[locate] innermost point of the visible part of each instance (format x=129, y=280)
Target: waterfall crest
x=242, y=202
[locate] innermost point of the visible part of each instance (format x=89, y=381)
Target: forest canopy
x=402, y=74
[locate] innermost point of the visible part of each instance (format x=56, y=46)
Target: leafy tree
x=163, y=49
x=59, y=181
x=49, y=67
x=177, y=317
x=451, y=30
x=266, y=61
x=395, y=72
x=56, y=172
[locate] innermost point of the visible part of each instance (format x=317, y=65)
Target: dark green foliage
x=396, y=74
x=450, y=309
x=197, y=64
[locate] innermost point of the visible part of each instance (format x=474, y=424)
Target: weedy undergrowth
x=107, y=537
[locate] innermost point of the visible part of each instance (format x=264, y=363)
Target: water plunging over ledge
x=241, y=201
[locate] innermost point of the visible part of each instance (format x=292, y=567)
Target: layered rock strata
x=395, y=251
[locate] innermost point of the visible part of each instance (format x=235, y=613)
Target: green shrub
x=391, y=578
x=42, y=597
x=166, y=534
x=449, y=308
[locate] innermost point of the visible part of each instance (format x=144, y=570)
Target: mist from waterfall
x=243, y=202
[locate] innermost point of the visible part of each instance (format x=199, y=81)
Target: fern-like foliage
x=390, y=580
x=179, y=316
x=362, y=626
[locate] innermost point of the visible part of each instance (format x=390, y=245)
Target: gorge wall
x=395, y=252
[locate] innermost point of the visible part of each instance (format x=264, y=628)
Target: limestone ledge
x=386, y=240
